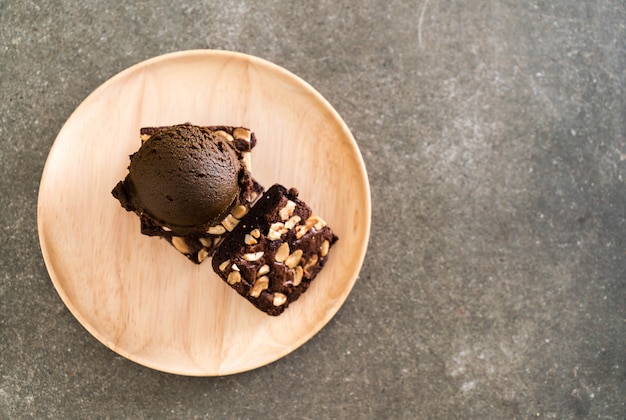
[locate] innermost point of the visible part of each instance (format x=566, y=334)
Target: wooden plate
x=139, y=296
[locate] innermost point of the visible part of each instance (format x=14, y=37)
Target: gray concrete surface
x=494, y=135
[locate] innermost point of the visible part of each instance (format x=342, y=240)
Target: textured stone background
x=494, y=136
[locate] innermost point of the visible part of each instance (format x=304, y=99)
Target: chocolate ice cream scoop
x=183, y=177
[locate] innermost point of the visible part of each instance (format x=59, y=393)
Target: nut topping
x=253, y=256
x=239, y=211
x=278, y=226
x=263, y=270
x=246, y=158
x=282, y=252
x=297, y=275
x=224, y=135
x=259, y=285
x=241, y=133
x=315, y=221
x=324, y=248
x=202, y=254
x=279, y=299
x=249, y=240
x=256, y=233
x=273, y=235
x=301, y=230
x=287, y=211
x=216, y=230
x=294, y=259
x=276, y=229
x=224, y=265
x=230, y=222
x=234, y=277
x=311, y=262
x=292, y=222
x=207, y=242
x=180, y=244
x=252, y=196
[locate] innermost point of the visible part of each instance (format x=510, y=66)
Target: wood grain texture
x=136, y=294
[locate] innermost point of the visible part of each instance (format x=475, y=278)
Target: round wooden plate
x=137, y=294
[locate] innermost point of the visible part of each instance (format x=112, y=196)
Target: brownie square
x=197, y=246
x=275, y=252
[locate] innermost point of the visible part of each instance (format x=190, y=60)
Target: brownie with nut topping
x=275, y=252
x=190, y=184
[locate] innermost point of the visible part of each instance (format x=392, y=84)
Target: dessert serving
x=193, y=186
x=275, y=252
x=190, y=184
x=138, y=295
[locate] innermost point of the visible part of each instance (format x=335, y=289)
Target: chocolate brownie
x=198, y=245
x=275, y=252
